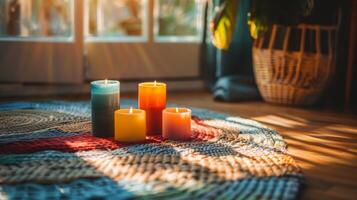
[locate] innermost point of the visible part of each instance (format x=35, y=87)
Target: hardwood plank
x=324, y=143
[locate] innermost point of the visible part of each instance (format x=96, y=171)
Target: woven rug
x=47, y=152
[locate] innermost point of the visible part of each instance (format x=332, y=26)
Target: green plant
x=263, y=14
x=223, y=22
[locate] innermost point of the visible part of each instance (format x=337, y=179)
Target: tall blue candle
x=105, y=99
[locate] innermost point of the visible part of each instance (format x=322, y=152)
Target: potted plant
x=293, y=50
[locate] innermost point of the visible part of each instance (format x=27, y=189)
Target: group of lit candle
x=133, y=125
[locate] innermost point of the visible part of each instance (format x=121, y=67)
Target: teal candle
x=105, y=100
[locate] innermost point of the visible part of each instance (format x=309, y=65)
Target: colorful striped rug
x=47, y=152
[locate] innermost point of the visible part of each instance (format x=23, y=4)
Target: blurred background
x=54, y=47
x=72, y=42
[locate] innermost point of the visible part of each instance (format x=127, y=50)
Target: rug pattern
x=47, y=152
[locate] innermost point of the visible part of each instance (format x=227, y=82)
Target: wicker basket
x=294, y=74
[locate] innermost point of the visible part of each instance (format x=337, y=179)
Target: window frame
x=46, y=39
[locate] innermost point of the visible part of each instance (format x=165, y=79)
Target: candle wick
x=105, y=81
x=131, y=110
x=155, y=83
x=177, y=110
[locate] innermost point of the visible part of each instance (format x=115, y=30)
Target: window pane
x=179, y=17
x=116, y=18
x=36, y=18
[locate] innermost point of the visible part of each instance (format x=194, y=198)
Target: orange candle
x=130, y=125
x=176, y=123
x=152, y=99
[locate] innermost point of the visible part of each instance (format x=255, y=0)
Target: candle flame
x=155, y=83
x=177, y=110
x=105, y=81
x=131, y=110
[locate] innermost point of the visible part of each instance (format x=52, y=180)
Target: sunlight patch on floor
x=279, y=121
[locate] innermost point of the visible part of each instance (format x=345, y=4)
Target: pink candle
x=176, y=123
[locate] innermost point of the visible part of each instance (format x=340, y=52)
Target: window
x=116, y=20
x=178, y=20
x=36, y=19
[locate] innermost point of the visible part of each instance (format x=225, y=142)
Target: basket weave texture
x=294, y=76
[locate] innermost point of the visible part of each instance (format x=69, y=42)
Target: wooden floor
x=324, y=143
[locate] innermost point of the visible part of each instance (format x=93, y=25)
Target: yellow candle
x=130, y=125
x=152, y=99
x=176, y=123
